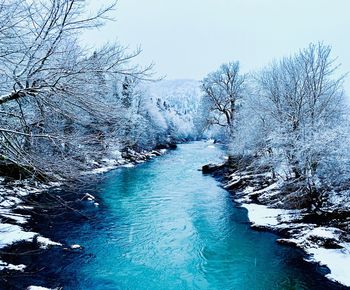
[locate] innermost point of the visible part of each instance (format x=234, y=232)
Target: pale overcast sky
x=189, y=38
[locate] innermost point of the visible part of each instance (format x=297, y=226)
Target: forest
x=61, y=103
x=68, y=110
x=292, y=117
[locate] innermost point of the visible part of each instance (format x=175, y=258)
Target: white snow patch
x=4, y=265
x=261, y=215
x=20, y=267
x=20, y=219
x=10, y=234
x=268, y=188
x=248, y=189
x=88, y=196
x=24, y=207
x=309, y=232
x=129, y=165
x=324, y=232
x=40, y=288
x=337, y=260
x=101, y=169
x=46, y=243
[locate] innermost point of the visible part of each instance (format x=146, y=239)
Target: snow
x=108, y=164
x=248, y=189
x=10, y=234
x=174, y=102
x=102, y=169
x=324, y=232
x=309, y=233
x=337, y=260
x=89, y=197
x=20, y=219
x=24, y=207
x=183, y=94
x=12, y=198
x=4, y=265
x=340, y=198
x=19, y=267
x=46, y=243
x=261, y=215
x=39, y=288
x=128, y=165
x=233, y=181
x=273, y=186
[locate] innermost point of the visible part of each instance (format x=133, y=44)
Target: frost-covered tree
x=293, y=120
x=54, y=98
x=300, y=103
x=176, y=103
x=223, y=90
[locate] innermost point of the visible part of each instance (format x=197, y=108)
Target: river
x=165, y=225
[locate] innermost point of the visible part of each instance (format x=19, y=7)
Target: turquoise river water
x=165, y=225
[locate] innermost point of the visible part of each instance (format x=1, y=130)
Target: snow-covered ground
x=40, y=288
x=337, y=260
x=308, y=238
x=116, y=160
x=12, y=196
x=11, y=224
x=261, y=215
x=325, y=245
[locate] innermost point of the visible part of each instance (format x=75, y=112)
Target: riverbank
x=323, y=235
x=19, y=199
x=161, y=221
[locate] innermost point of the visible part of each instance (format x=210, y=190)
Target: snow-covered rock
x=40, y=288
x=47, y=243
x=76, y=247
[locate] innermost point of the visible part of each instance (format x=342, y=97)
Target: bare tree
x=301, y=99
x=223, y=89
x=48, y=80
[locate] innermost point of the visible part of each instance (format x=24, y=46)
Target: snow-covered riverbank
x=14, y=197
x=313, y=239
x=324, y=243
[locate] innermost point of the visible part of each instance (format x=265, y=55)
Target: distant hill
x=183, y=95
